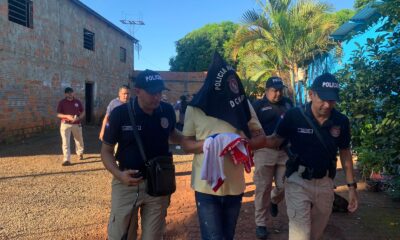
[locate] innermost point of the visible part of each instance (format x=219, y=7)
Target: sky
x=167, y=21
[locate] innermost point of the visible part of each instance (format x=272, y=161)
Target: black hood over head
x=222, y=95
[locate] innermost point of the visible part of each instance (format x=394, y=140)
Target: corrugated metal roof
x=359, y=18
x=91, y=11
x=364, y=14
x=344, y=29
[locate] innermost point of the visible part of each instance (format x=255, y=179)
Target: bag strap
x=317, y=133
x=136, y=132
x=141, y=149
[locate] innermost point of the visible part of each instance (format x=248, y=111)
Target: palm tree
x=285, y=35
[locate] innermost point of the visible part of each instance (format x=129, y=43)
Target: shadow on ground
x=35, y=145
x=78, y=197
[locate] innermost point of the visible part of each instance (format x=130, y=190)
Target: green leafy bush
x=370, y=97
x=394, y=188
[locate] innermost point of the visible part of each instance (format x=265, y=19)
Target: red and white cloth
x=215, y=148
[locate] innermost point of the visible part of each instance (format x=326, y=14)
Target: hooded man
x=220, y=106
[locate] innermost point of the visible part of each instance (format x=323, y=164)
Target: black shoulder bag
x=160, y=171
x=332, y=168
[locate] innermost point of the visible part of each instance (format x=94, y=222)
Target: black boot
x=273, y=209
x=261, y=232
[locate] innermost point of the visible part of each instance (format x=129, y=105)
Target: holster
x=292, y=165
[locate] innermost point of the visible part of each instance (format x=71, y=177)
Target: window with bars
x=122, y=54
x=21, y=12
x=88, y=39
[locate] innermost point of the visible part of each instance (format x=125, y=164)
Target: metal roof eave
x=358, y=19
x=94, y=13
x=364, y=14
x=344, y=29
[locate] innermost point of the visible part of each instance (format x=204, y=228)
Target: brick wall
x=180, y=83
x=36, y=64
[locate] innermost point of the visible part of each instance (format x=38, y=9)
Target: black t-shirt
x=304, y=142
x=154, y=131
x=269, y=114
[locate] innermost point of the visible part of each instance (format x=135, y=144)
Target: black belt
x=312, y=173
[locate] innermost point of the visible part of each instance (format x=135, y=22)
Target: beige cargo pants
x=269, y=167
x=153, y=211
x=309, y=206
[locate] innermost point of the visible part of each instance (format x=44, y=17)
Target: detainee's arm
x=191, y=145
x=347, y=164
x=189, y=142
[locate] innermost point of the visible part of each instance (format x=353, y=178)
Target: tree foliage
x=371, y=90
x=283, y=36
x=391, y=9
x=340, y=17
x=195, y=50
x=359, y=4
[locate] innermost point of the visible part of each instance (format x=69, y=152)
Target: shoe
x=80, y=156
x=261, y=232
x=273, y=209
x=66, y=163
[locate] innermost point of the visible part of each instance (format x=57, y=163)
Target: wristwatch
x=353, y=184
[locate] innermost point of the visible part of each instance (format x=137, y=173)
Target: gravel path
x=40, y=199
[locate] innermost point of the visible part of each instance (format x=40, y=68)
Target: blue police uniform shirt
x=304, y=142
x=154, y=131
x=269, y=114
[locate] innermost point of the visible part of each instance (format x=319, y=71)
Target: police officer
x=269, y=163
x=309, y=185
x=155, y=122
x=123, y=97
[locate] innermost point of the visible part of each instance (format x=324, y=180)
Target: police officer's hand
x=353, y=200
x=127, y=177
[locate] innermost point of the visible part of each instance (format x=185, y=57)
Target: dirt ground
x=40, y=199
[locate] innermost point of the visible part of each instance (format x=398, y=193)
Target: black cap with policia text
x=274, y=82
x=327, y=87
x=150, y=81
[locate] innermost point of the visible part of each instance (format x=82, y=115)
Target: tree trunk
x=292, y=82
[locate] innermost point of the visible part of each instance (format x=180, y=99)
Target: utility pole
x=132, y=24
